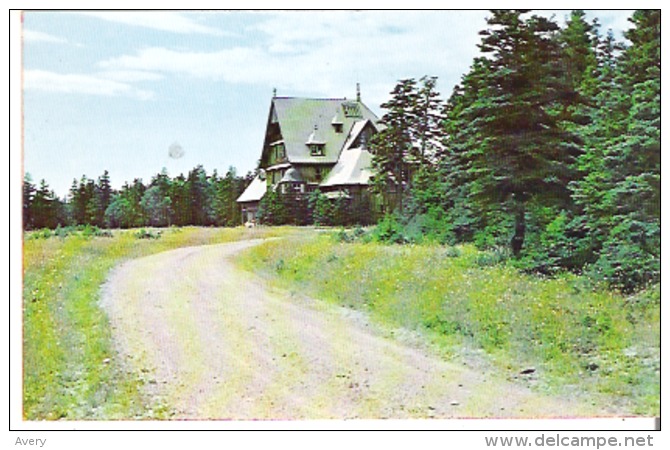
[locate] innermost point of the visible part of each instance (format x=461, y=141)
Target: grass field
x=67, y=347
x=581, y=340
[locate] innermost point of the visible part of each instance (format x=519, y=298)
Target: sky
x=117, y=90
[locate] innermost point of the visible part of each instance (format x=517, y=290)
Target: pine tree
x=428, y=114
x=198, y=196
x=410, y=139
x=103, y=192
x=42, y=207
x=606, y=127
x=518, y=153
x=393, y=146
x=631, y=252
x=28, y=199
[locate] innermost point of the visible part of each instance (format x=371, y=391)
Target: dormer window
x=315, y=143
x=351, y=109
x=337, y=124
x=316, y=149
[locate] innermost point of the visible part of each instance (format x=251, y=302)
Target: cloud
x=326, y=53
x=41, y=80
x=130, y=76
x=158, y=20
x=38, y=36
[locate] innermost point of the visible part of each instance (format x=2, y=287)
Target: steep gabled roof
x=254, y=192
x=353, y=168
x=356, y=131
x=297, y=118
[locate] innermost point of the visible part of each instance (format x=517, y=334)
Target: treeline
x=548, y=150
x=195, y=199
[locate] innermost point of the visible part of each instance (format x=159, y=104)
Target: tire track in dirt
x=216, y=343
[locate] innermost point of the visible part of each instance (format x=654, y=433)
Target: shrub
x=147, y=234
x=390, y=230
x=629, y=259
x=492, y=257
x=44, y=233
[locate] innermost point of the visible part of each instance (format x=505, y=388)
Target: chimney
x=274, y=92
x=358, y=92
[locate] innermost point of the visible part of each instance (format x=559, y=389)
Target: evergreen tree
x=410, y=138
x=392, y=147
x=43, y=207
x=631, y=252
x=272, y=209
x=524, y=156
x=103, y=193
x=28, y=199
x=80, y=195
x=427, y=131
x=156, y=206
x=321, y=208
x=198, y=196
x=180, y=200
x=607, y=117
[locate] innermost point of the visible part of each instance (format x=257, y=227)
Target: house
x=314, y=143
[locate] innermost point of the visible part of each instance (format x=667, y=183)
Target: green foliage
x=86, y=231
x=492, y=257
x=323, y=211
x=122, y=212
x=273, y=209
x=630, y=257
x=411, y=136
x=157, y=206
x=41, y=207
x=357, y=234
x=147, y=234
x=552, y=149
x=194, y=200
x=390, y=230
x=575, y=333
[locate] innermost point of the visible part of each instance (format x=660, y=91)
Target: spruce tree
x=392, y=148
x=521, y=154
x=630, y=256
x=28, y=198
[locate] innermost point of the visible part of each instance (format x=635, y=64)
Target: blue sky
x=114, y=90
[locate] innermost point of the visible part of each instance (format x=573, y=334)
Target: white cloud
x=130, y=76
x=326, y=53
x=41, y=80
x=38, y=36
x=171, y=21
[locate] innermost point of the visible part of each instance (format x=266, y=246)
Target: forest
x=548, y=150
x=195, y=199
x=547, y=154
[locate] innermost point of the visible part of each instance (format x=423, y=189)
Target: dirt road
x=216, y=343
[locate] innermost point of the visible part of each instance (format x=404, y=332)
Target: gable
x=360, y=135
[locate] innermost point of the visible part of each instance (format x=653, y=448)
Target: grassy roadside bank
x=67, y=344
x=579, y=340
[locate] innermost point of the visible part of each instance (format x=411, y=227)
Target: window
x=316, y=149
x=279, y=152
x=351, y=109
x=338, y=127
